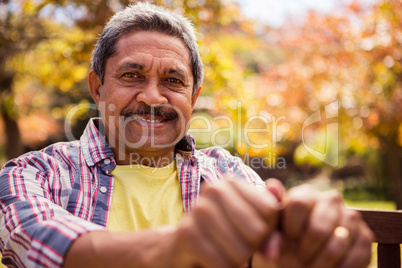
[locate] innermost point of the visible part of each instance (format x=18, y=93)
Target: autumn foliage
x=257, y=77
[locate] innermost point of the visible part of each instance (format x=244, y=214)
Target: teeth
x=146, y=120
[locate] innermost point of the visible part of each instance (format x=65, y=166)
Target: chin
x=151, y=144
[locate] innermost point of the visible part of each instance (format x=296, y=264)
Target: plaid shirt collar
x=95, y=148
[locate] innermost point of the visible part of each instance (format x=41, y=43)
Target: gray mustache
x=158, y=111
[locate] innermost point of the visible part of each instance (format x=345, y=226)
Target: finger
x=336, y=248
x=265, y=203
x=260, y=261
x=359, y=255
x=271, y=247
x=324, y=218
x=276, y=187
x=244, y=215
x=342, y=239
x=201, y=253
x=288, y=257
x=222, y=233
x=299, y=203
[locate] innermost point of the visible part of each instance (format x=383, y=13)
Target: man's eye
x=174, y=80
x=130, y=75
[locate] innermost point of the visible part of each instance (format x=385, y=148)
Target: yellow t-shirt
x=145, y=197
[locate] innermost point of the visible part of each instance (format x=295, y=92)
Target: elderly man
x=134, y=192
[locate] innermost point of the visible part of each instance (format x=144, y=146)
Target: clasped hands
x=232, y=224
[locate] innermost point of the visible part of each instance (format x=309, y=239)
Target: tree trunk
x=394, y=156
x=13, y=144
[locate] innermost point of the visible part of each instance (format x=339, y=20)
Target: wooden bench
x=387, y=227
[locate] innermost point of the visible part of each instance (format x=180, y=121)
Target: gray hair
x=144, y=16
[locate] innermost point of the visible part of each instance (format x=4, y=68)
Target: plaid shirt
x=50, y=197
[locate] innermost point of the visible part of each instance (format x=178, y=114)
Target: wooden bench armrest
x=387, y=228
x=386, y=225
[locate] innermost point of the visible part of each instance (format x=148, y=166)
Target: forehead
x=158, y=45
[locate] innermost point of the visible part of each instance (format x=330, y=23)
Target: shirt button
x=103, y=189
x=107, y=161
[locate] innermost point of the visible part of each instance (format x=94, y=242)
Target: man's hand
x=229, y=223
x=318, y=231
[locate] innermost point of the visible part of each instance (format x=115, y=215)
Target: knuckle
x=235, y=184
x=269, y=201
x=353, y=215
x=257, y=231
x=185, y=234
x=367, y=238
x=331, y=254
x=214, y=192
x=371, y=237
x=319, y=233
x=334, y=197
x=296, y=204
x=186, y=228
x=202, y=211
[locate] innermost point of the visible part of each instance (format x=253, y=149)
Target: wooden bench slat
x=386, y=225
x=388, y=256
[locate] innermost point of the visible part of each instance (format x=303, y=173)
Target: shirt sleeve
x=228, y=164
x=35, y=229
x=241, y=170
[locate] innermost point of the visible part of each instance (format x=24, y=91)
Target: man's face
x=146, y=100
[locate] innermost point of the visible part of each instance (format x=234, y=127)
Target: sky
x=276, y=12
x=270, y=12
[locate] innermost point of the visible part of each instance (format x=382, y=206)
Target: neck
x=145, y=158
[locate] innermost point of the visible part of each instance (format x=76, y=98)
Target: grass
x=380, y=205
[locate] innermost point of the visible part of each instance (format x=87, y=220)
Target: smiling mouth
x=150, y=115
x=152, y=121
x=149, y=119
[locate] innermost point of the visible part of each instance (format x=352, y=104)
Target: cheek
x=116, y=100
x=183, y=106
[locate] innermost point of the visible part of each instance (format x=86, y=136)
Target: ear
x=95, y=86
x=195, y=97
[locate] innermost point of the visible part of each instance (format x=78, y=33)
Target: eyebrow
x=139, y=66
x=179, y=72
x=131, y=65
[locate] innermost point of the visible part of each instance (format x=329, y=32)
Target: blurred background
x=276, y=60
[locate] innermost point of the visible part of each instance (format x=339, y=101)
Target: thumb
x=276, y=187
x=271, y=247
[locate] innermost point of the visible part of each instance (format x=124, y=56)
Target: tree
x=353, y=56
x=21, y=30
x=45, y=51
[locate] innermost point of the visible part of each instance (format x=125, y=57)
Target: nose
x=151, y=94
